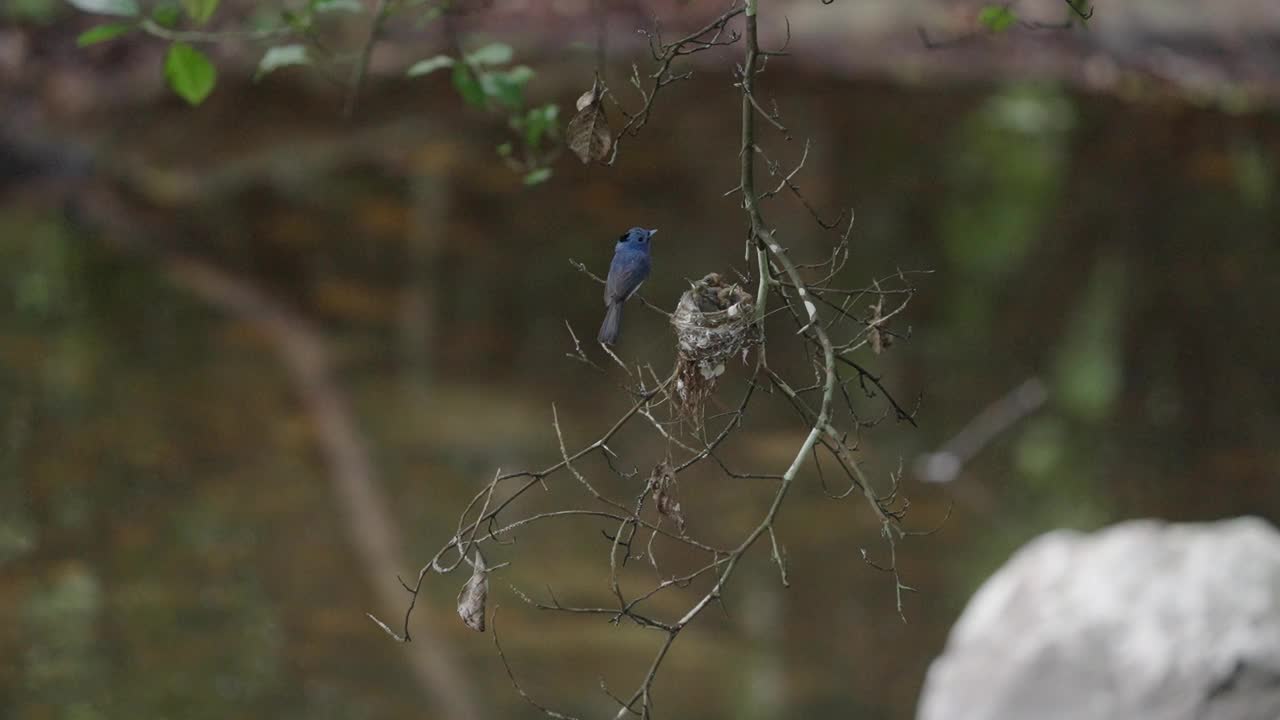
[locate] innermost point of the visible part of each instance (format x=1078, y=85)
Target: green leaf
x=102, y=33
x=464, y=81
x=507, y=88
x=166, y=14
x=997, y=18
x=325, y=6
x=518, y=75
x=504, y=150
x=282, y=56
x=200, y=10
x=538, y=176
x=537, y=122
x=493, y=54
x=430, y=65
x=125, y=8
x=298, y=21
x=1080, y=11
x=431, y=15
x=189, y=73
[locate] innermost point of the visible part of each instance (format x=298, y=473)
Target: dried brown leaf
x=588, y=133
x=663, y=482
x=475, y=593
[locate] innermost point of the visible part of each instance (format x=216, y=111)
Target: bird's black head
x=636, y=235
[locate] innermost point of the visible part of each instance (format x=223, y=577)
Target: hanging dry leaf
x=588, y=132
x=663, y=482
x=472, y=599
x=588, y=98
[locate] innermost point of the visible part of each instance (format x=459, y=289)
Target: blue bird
x=627, y=272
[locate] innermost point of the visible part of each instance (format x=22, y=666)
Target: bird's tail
x=612, y=324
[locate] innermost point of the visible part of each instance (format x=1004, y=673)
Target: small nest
x=714, y=322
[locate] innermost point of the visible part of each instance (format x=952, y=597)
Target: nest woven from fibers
x=714, y=322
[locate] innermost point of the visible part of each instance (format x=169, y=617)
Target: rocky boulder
x=1143, y=620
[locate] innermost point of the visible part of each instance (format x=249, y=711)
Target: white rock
x=1141, y=621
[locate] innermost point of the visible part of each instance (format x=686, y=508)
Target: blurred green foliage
x=40, y=11
x=483, y=84
x=1255, y=172
x=479, y=77
x=200, y=10
x=1087, y=372
x=64, y=665
x=1004, y=173
x=997, y=18
x=17, y=526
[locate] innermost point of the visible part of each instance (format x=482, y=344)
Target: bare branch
x=361, y=69
x=639, y=529
x=516, y=684
x=709, y=36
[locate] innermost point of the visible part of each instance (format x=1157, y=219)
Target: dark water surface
x=173, y=542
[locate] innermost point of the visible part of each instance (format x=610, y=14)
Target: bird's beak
x=653, y=231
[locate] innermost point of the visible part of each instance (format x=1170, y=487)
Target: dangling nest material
x=714, y=322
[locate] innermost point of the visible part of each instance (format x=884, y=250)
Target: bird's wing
x=626, y=273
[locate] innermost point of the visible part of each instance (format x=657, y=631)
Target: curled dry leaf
x=588, y=98
x=588, y=132
x=475, y=593
x=663, y=483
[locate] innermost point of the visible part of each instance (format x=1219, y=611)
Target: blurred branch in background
x=371, y=525
x=946, y=464
x=303, y=351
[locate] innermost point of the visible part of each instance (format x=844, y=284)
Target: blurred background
x=254, y=358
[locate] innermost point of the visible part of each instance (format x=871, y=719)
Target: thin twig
x=361, y=69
